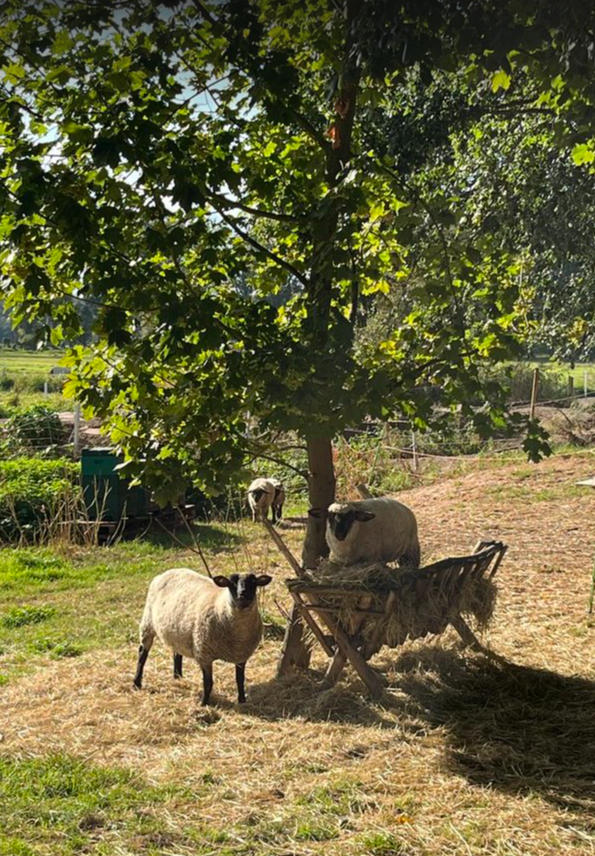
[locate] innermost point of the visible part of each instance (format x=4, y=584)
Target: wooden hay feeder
x=387, y=606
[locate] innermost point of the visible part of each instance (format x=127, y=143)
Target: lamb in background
x=265, y=493
x=261, y=494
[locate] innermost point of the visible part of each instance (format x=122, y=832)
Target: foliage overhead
x=178, y=165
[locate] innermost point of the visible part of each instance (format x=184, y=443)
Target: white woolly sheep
x=371, y=530
x=205, y=619
x=279, y=499
x=261, y=495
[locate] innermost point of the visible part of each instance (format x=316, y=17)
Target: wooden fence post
x=76, y=434
x=414, y=449
x=534, y=393
x=570, y=388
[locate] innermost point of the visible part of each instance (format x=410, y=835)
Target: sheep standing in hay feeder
x=366, y=606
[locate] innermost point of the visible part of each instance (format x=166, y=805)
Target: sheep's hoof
x=138, y=685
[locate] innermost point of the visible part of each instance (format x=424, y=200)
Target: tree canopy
x=179, y=166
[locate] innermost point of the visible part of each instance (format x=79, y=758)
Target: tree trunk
x=321, y=474
x=321, y=493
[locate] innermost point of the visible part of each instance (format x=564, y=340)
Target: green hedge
x=30, y=492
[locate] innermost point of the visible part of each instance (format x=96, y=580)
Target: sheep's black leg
x=207, y=684
x=177, y=665
x=143, y=653
x=240, y=680
x=274, y=513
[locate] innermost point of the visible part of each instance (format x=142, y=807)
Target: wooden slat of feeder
x=312, y=624
x=498, y=560
x=307, y=587
x=298, y=570
x=374, y=643
x=317, y=607
x=347, y=651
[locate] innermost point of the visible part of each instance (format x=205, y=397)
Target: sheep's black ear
x=318, y=513
x=222, y=582
x=364, y=516
x=263, y=580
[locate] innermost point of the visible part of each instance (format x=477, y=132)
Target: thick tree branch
x=256, y=212
x=308, y=127
x=261, y=248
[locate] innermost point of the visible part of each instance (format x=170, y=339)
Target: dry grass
x=466, y=757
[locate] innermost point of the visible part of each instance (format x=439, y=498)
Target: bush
x=6, y=381
x=38, y=426
x=36, y=383
x=30, y=491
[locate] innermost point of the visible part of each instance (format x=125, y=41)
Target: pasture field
x=22, y=377
x=577, y=371
x=465, y=756
x=17, y=362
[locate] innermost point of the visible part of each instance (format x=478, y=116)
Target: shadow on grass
x=515, y=728
x=210, y=537
x=518, y=729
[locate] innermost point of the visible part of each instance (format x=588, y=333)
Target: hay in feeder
x=426, y=599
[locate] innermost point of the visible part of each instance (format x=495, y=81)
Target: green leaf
x=583, y=153
x=60, y=75
x=14, y=72
x=77, y=133
x=501, y=80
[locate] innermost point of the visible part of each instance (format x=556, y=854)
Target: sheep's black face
x=340, y=524
x=257, y=494
x=242, y=587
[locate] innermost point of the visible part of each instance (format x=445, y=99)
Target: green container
x=107, y=494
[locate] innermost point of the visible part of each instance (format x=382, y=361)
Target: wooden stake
x=293, y=651
x=414, y=449
x=76, y=437
x=570, y=388
x=534, y=393
x=297, y=568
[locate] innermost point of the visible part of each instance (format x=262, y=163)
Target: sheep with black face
x=261, y=495
x=205, y=619
x=369, y=530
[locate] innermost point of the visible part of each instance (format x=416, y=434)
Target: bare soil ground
x=466, y=757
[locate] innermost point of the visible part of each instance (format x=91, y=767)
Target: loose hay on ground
x=467, y=758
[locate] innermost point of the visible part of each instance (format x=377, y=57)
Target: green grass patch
x=23, y=615
x=63, y=805
x=531, y=493
x=16, y=401
x=73, y=602
x=382, y=844
x=56, y=649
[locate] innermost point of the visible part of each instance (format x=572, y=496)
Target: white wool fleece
x=196, y=618
x=390, y=535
